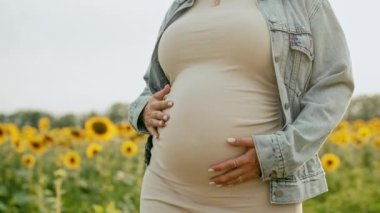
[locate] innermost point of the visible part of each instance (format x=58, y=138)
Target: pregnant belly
x=201, y=119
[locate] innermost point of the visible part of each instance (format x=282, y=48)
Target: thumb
x=161, y=94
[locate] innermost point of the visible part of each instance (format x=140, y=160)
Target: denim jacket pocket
x=297, y=55
x=296, y=51
x=302, y=51
x=302, y=42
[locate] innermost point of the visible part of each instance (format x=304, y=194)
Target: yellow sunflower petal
x=330, y=162
x=44, y=124
x=100, y=127
x=128, y=148
x=28, y=160
x=3, y=134
x=93, y=149
x=36, y=144
x=72, y=160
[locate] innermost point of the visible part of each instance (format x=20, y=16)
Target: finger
x=159, y=115
x=161, y=105
x=160, y=94
x=156, y=123
x=229, y=176
x=229, y=164
x=153, y=131
x=241, y=141
x=236, y=181
x=246, y=176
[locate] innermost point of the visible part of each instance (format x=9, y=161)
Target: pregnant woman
x=222, y=77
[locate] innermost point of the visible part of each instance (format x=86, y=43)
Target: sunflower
x=330, y=162
x=363, y=133
x=3, y=135
x=28, y=160
x=47, y=139
x=100, y=127
x=72, y=160
x=125, y=129
x=13, y=131
x=357, y=142
x=44, y=124
x=376, y=142
x=18, y=145
x=345, y=138
x=63, y=142
x=128, y=148
x=139, y=138
x=28, y=132
x=36, y=144
x=358, y=123
x=343, y=124
x=76, y=133
x=93, y=149
x=340, y=137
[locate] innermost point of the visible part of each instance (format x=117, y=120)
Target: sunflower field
x=99, y=167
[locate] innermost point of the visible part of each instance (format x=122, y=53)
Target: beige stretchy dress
x=218, y=61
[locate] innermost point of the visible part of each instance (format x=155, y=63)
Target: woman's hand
x=153, y=116
x=238, y=169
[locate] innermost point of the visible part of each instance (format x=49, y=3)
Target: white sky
x=82, y=55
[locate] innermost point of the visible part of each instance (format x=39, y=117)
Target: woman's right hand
x=153, y=116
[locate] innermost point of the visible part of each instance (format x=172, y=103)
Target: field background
x=94, y=162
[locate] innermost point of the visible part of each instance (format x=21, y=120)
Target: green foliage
x=68, y=120
x=364, y=107
x=29, y=117
x=118, y=112
x=354, y=186
x=109, y=182
x=3, y=119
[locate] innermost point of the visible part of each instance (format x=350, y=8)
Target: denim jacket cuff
x=136, y=121
x=269, y=154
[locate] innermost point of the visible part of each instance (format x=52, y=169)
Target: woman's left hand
x=239, y=169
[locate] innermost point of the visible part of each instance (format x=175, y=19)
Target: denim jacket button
x=286, y=105
x=272, y=19
x=279, y=193
x=277, y=58
x=273, y=174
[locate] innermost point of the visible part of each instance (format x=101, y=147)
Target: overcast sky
x=82, y=55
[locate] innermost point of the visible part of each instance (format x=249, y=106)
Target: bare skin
x=240, y=169
x=247, y=164
x=153, y=116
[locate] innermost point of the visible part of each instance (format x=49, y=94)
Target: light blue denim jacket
x=313, y=70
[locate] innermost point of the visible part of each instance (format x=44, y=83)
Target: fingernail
x=211, y=183
x=165, y=117
x=219, y=185
x=231, y=140
x=211, y=170
x=170, y=103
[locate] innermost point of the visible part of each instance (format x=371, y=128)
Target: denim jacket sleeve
x=137, y=106
x=323, y=104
